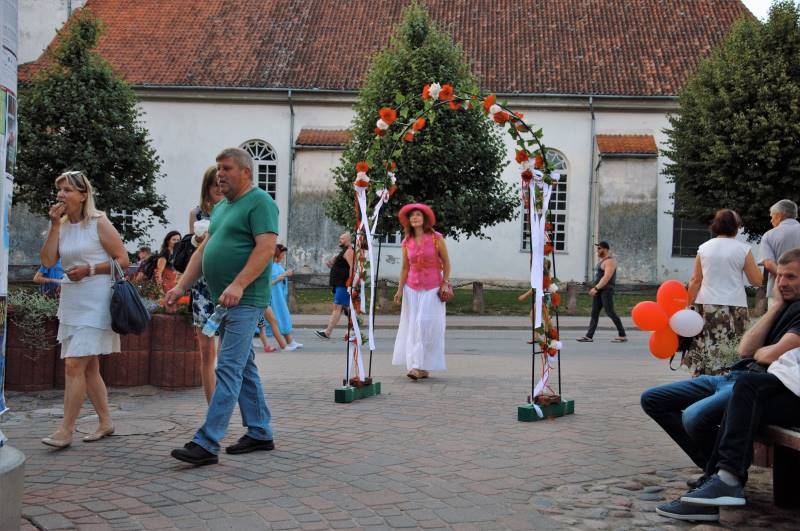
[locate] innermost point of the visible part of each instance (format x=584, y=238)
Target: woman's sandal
x=270, y=348
x=585, y=339
x=619, y=340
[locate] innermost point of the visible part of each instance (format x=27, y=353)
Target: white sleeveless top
x=86, y=302
x=722, y=262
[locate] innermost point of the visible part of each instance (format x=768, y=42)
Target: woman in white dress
x=425, y=273
x=85, y=241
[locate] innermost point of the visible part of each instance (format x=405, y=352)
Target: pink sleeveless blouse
x=425, y=266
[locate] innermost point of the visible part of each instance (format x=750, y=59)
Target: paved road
x=443, y=453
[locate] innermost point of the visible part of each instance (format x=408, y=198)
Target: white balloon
x=686, y=323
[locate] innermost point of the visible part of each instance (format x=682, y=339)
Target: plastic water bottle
x=213, y=322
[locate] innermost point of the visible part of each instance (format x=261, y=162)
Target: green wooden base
x=527, y=413
x=345, y=395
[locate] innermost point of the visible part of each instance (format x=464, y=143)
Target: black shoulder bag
x=128, y=314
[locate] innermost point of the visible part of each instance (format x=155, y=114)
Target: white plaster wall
x=38, y=22
x=187, y=136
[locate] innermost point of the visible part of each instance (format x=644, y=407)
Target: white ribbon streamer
x=361, y=194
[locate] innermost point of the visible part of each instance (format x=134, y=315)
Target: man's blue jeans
x=237, y=381
x=690, y=411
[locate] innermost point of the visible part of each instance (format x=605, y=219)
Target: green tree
x=77, y=114
x=454, y=164
x=734, y=142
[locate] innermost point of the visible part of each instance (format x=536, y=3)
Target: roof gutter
x=591, y=221
x=291, y=165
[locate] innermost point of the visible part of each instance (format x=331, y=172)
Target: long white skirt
x=420, y=336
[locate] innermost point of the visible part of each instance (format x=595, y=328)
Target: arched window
x=558, y=206
x=265, y=166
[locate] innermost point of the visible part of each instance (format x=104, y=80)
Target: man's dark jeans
x=690, y=411
x=604, y=299
x=757, y=399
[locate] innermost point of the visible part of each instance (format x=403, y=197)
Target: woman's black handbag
x=128, y=314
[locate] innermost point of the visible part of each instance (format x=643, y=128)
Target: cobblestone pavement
x=442, y=453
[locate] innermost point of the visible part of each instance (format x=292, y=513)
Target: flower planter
x=131, y=366
x=29, y=368
x=174, y=356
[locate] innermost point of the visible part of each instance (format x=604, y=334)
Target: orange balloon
x=672, y=296
x=663, y=343
x=648, y=315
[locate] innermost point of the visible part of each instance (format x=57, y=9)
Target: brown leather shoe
x=422, y=374
x=413, y=374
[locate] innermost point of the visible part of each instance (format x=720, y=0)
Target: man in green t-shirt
x=235, y=260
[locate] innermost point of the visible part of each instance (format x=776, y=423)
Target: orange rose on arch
x=419, y=124
x=446, y=94
x=521, y=156
x=426, y=92
x=388, y=115
x=409, y=137
x=556, y=298
x=501, y=117
x=548, y=248
x=362, y=166
x=488, y=101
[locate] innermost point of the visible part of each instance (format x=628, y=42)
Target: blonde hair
x=81, y=183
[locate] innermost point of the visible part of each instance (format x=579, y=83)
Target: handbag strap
x=116, y=271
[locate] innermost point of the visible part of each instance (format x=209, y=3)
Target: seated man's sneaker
x=247, y=444
x=691, y=513
x=194, y=454
x=715, y=492
x=321, y=334
x=694, y=483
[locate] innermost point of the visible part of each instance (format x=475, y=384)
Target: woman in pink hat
x=425, y=273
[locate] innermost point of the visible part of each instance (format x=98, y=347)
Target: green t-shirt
x=234, y=226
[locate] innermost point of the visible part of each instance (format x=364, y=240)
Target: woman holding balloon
x=717, y=291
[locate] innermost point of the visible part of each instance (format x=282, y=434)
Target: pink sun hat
x=407, y=209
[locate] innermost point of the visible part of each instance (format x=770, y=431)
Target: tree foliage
x=734, y=142
x=454, y=164
x=77, y=114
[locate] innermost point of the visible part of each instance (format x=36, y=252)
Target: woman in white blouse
x=717, y=289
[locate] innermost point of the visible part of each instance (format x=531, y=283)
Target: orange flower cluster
x=388, y=115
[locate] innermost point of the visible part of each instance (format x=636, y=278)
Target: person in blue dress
x=49, y=279
x=279, y=307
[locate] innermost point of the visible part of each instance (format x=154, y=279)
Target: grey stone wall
x=628, y=214
x=313, y=237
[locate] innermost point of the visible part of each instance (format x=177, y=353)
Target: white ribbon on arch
x=538, y=220
x=361, y=194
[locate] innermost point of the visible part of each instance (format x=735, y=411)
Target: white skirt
x=420, y=336
x=79, y=341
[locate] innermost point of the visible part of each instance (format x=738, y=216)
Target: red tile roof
x=323, y=137
x=619, y=47
x=626, y=145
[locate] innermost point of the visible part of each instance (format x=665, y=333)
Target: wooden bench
x=780, y=449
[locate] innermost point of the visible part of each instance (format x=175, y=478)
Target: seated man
x=690, y=411
x=758, y=399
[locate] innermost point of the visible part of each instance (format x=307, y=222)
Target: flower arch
x=396, y=129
